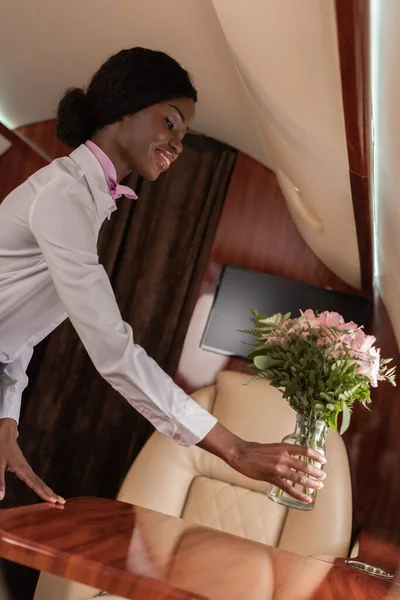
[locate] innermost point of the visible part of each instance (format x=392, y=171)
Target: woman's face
x=151, y=140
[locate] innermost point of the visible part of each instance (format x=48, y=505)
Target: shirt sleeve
x=13, y=381
x=62, y=219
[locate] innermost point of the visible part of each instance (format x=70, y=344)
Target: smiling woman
x=150, y=140
x=133, y=117
x=137, y=108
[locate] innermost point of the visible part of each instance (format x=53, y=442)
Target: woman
x=133, y=117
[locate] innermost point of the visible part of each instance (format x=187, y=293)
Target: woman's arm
x=12, y=460
x=63, y=221
x=267, y=462
x=63, y=225
x=12, y=384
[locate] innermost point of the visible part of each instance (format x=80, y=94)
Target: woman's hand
x=275, y=463
x=12, y=459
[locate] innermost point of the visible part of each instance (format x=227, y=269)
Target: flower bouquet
x=322, y=365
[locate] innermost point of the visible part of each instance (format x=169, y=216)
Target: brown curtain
x=78, y=434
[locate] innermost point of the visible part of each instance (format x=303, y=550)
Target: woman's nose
x=176, y=144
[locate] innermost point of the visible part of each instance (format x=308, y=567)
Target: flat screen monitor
x=240, y=289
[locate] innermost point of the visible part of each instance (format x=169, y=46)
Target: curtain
x=79, y=435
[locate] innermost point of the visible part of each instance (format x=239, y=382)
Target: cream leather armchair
x=194, y=485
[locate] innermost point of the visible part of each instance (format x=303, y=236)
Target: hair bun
x=73, y=120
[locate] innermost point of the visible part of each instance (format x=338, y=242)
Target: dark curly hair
x=126, y=83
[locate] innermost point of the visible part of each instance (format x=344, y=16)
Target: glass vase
x=308, y=432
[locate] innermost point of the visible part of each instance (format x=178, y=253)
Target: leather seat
x=199, y=487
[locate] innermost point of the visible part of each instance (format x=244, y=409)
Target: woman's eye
x=170, y=125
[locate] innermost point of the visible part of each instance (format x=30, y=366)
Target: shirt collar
x=116, y=190
x=96, y=180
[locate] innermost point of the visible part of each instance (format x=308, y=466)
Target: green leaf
x=258, y=352
x=333, y=418
x=346, y=415
x=289, y=391
x=276, y=319
x=261, y=362
x=267, y=362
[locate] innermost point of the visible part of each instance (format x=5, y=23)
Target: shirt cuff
x=10, y=404
x=192, y=425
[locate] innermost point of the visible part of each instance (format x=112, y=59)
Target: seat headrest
x=255, y=411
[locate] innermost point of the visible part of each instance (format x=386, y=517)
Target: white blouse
x=49, y=270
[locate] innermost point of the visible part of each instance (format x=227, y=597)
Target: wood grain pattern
x=139, y=553
x=374, y=550
x=379, y=551
x=360, y=190
x=353, y=38
x=42, y=136
x=88, y=540
x=17, y=163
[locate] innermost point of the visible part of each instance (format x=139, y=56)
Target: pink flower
x=350, y=326
x=295, y=327
x=366, y=356
x=362, y=342
x=346, y=339
x=369, y=365
x=327, y=319
x=330, y=319
x=310, y=317
x=358, y=341
x=360, y=346
x=308, y=314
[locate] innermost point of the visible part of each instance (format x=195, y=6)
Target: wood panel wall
x=353, y=21
x=256, y=231
x=17, y=163
x=373, y=442
x=42, y=137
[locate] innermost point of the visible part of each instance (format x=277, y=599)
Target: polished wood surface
x=377, y=550
x=373, y=549
x=139, y=553
x=353, y=38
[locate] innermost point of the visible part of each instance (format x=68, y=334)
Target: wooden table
x=141, y=554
